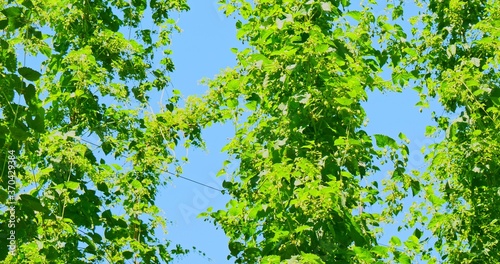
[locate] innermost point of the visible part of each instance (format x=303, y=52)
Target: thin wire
x=213, y=188
x=91, y=143
x=171, y=173
x=197, y=182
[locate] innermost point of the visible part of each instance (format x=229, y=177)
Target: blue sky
x=202, y=50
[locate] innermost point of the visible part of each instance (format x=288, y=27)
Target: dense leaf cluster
x=302, y=149
x=460, y=66
x=88, y=99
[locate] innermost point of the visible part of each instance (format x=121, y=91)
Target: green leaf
x=3, y=24
x=29, y=74
x=220, y=173
x=257, y=57
x=383, y=140
x=232, y=103
x=412, y=243
x=3, y=197
x=404, y=259
x=28, y=4
x=254, y=97
x=340, y=141
x=302, y=228
x=116, y=167
x=72, y=185
x=45, y=50
x=128, y=254
x=96, y=238
x=12, y=12
x=273, y=259
x=227, y=185
x=496, y=100
x=29, y=93
x=321, y=48
x=415, y=187
x=109, y=234
x=37, y=123
x=90, y=156
x=251, y=105
x=308, y=258
x=436, y=222
x=344, y=101
x=418, y=233
x=381, y=251
x=235, y=247
x=430, y=130
x=106, y=147
x=252, y=101
x=412, y=52
x=140, y=4
x=403, y=137
x=395, y=241
x=136, y=184
x=32, y=203
x=19, y=132
x=356, y=15
x=401, y=78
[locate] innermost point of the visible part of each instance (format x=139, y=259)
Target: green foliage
x=306, y=166
x=299, y=136
x=88, y=99
x=459, y=65
x=302, y=149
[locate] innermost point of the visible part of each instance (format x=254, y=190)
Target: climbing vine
x=76, y=78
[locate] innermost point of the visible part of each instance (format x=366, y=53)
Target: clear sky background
x=202, y=50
